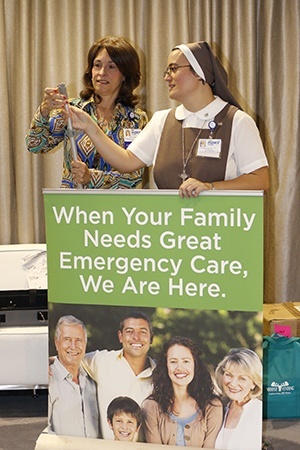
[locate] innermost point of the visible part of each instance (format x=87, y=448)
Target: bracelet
x=212, y=186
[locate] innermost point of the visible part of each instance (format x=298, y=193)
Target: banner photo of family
x=155, y=318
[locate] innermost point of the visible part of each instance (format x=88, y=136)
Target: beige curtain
x=44, y=42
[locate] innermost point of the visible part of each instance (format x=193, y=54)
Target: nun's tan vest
x=169, y=165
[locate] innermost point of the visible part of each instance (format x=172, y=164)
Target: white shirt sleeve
x=246, y=152
x=146, y=144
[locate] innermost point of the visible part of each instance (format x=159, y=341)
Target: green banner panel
x=154, y=249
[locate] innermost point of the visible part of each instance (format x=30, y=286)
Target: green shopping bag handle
x=275, y=339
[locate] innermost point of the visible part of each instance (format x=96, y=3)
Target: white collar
x=150, y=360
x=63, y=372
x=207, y=113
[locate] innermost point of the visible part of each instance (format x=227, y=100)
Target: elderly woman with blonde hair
x=239, y=378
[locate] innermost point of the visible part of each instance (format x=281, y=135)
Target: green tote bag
x=281, y=378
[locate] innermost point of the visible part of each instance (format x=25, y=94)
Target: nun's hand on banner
x=191, y=188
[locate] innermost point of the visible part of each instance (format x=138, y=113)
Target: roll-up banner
x=193, y=267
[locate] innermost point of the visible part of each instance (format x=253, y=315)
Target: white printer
x=23, y=317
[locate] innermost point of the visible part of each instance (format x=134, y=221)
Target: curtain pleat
x=44, y=42
x=278, y=110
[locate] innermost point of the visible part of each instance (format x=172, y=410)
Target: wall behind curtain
x=44, y=42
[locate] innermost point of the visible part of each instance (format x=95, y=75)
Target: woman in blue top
x=111, y=75
x=183, y=409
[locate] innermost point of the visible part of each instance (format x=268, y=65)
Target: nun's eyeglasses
x=173, y=69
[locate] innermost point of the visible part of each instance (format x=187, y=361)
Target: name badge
x=130, y=134
x=209, y=148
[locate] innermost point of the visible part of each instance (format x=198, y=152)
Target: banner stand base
x=54, y=442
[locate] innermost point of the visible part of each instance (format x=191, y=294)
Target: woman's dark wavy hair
x=201, y=388
x=126, y=58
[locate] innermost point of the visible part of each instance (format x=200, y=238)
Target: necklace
x=102, y=122
x=103, y=119
x=184, y=176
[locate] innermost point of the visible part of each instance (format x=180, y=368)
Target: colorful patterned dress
x=46, y=133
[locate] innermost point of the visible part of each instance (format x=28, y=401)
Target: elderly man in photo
x=73, y=406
